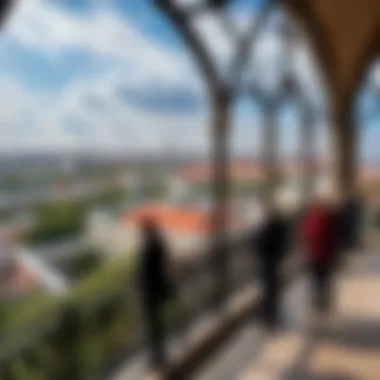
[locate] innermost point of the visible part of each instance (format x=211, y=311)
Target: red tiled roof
x=191, y=219
x=174, y=218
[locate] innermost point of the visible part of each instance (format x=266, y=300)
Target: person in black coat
x=271, y=244
x=154, y=283
x=351, y=218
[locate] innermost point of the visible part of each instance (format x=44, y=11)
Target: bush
x=90, y=325
x=84, y=263
x=110, y=198
x=242, y=188
x=56, y=221
x=90, y=312
x=16, y=312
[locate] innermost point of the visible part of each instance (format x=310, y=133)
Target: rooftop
x=180, y=218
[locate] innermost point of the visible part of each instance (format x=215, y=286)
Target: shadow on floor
x=360, y=334
x=356, y=334
x=368, y=268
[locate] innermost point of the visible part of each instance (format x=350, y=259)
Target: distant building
x=246, y=177
x=187, y=228
x=240, y=171
x=248, y=173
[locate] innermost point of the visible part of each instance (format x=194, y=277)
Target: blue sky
x=112, y=75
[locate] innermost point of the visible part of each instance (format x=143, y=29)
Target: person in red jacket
x=320, y=234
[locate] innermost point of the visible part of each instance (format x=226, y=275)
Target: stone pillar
x=221, y=192
x=308, y=154
x=344, y=148
x=269, y=152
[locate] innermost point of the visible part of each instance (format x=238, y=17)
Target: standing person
x=320, y=233
x=271, y=244
x=351, y=215
x=155, y=290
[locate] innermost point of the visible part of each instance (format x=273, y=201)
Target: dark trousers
x=321, y=275
x=155, y=326
x=353, y=239
x=271, y=296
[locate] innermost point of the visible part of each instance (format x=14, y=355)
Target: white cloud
x=28, y=121
x=43, y=26
x=23, y=122
x=132, y=127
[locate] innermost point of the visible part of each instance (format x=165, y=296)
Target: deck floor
x=342, y=346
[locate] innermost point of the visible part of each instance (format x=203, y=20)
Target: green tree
x=55, y=221
x=84, y=263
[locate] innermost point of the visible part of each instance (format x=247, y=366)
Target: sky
x=112, y=75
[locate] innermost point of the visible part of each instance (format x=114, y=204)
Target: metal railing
x=112, y=319
x=109, y=321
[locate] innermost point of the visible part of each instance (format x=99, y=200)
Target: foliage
x=89, y=324
x=14, y=313
x=110, y=198
x=154, y=190
x=242, y=188
x=98, y=319
x=54, y=221
x=83, y=263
